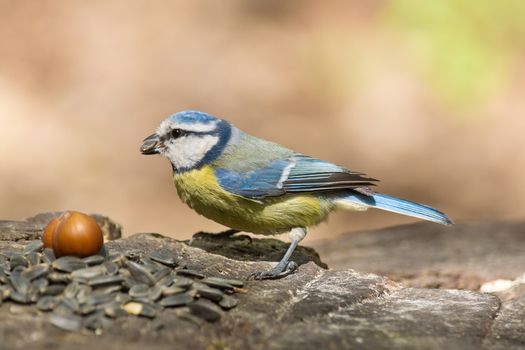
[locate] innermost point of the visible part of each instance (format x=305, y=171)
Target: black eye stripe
x=176, y=133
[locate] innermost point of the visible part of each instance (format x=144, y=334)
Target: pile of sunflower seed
x=90, y=293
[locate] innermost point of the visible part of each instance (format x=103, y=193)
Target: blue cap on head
x=191, y=117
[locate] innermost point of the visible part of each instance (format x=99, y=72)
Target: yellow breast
x=200, y=190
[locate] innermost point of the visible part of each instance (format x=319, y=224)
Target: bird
x=253, y=185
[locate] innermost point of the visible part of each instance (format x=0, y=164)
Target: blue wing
x=310, y=174
x=296, y=174
x=258, y=183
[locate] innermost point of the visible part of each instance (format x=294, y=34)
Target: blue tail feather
x=400, y=206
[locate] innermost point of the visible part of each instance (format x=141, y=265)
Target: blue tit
x=253, y=185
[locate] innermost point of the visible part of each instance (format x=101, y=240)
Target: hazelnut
x=47, y=236
x=73, y=233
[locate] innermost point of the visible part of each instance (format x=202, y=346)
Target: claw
x=285, y=266
x=274, y=273
x=230, y=233
x=227, y=233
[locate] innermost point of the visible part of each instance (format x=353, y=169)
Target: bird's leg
x=285, y=266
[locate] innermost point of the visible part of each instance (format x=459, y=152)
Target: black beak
x=150, y=145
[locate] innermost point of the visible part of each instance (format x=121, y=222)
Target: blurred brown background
x=426, y=96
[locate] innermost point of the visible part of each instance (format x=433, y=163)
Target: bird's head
x=189, y=139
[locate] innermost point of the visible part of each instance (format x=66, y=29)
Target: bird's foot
x=279, y=271
x=227, y=233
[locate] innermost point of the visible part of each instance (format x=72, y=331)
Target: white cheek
x=188, y=151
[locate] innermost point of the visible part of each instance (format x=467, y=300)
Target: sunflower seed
x=142, y=300
x=140, y=309
x=190, y=273
x=166, y=291
x=151, y=265
x=40, y=284
x=114, y=310
x=124, y=272
x=62, y=309
x=87, y=309
x=36, y=271
x=217, y=283
x=118, y=259
x=84, y=293
x=18, y=260
x=20, y=298
x=71, y=290
x=97, y=322
x=111, y=268
x=122, y=298
x=58, y=277
x=5, y=292
x=68, y=264
x=208, y=293
x=33, y=246
x=54, y=289
x=3, y=277
x=20, y=283
x=48, y=256
x=205, y=310
x=33, y=294
x=18, y=269
x=228, y=302
x=140, y=273
x=165, y=281
x=105, y=280
x=99, y=298
x=164, y=258
x=139, y=291
x=33, y=258
x=182, y=282
x=161, y=273
x=47, y=303
x=94, y=260
x=176, y=300
x=9, y=253
x=88, y=272
x=233, y=282
x=154, y=293
x=111, y=289
x=72, y=304
x=66, y=322
x=129, y=282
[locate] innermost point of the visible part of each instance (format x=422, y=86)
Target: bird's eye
x=175, y=133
